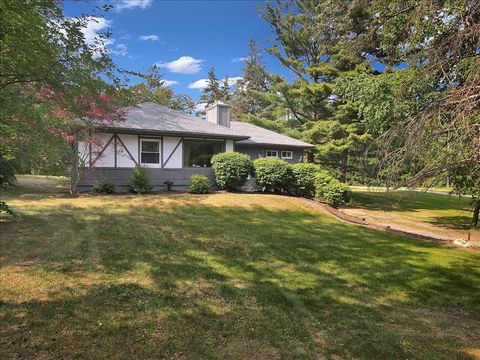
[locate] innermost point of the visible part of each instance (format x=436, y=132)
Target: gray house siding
x=119, y=176
x=259, y=151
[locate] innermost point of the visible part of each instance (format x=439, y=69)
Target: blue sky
x=185, y=38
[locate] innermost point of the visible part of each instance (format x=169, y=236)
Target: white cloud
x=233, y=80
x=183, y=65
x=132, y=4
x=94, y=25
x=200, y=107
x=120, y=50
x=202, y=83
x=199, y=84
x=239, y=59
x=169, y=82
x=149, y=37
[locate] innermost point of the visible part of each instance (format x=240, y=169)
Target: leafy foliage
x=8, y=168
x=199, y=184
x=429, y=112
x=4, y=208
x=466, y=181
x=332, y=191
x=103, y=187
x=304, y=179
x=54, y=85
x=273, y=174
x=231, y=169
x=139, y=180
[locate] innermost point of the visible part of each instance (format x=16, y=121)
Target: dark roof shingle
x=154, y=118
x=159, y=119
x=262, y=136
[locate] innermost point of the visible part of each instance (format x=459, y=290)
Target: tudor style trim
x=173, y=152
x=115, y=149
x=126, y=149
x=102, y=151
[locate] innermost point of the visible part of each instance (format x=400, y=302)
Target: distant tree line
x=415, y=122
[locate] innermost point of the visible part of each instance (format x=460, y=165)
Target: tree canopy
x=54, y=85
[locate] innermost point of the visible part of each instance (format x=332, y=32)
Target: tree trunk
x=476, y=211
x=75, y=172
x=343, y=177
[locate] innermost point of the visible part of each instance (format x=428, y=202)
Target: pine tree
x=211, y=92
x=251, y=96
x=225, y=95
x=307, y=45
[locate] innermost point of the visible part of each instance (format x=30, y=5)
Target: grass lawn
x=431, y=213
x=225, y=276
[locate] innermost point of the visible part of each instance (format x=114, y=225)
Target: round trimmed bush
x=304, y=179
x=139, y=180
x=273, y=174
x=332, y=191
x=199, y=184
x=231, y=169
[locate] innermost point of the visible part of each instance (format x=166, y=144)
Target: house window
x=287, y=155
x=150, y=152
x=198, y=153
x=271, y=153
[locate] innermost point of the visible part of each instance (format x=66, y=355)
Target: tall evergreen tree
x=225, y=95
x=251, y=96
x=211, y=92
x=307, y=44
x=308, y=54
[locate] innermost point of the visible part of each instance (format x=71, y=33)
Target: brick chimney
x=219, y=113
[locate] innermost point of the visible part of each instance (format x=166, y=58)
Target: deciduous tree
x=54, y=84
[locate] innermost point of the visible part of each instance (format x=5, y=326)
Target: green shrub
x=304, y=179
x=199, y=184
x=332, y=191
x=322, y=179
x=336, y=193
x=273, y=174
x=231, y=169
x=139, y=181
x=103, y=187
x=4, y=208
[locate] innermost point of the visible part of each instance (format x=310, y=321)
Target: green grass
x=225, y=276
x=436, y=213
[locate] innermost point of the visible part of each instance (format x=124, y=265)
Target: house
x=174, y=145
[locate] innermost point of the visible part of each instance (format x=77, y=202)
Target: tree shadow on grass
x=407, y=201
x=237, y=282
x=453, y=222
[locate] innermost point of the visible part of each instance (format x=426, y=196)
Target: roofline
x=176, y=133
x=307, y=146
